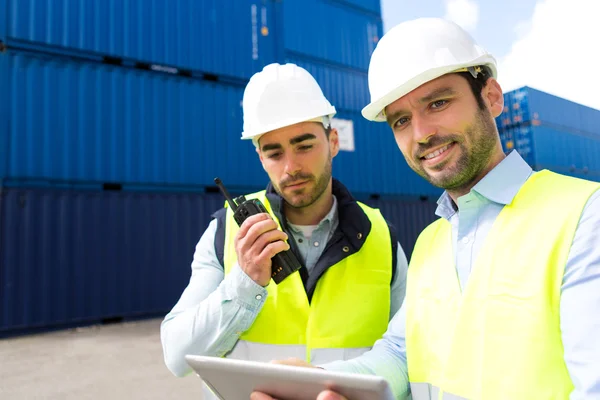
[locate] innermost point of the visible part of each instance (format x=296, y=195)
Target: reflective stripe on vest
x=426, y=391
x=244, y=350
x=351, y=302
x=500, y=338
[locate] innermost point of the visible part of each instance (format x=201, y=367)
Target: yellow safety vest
x=349, y=310
x=500, y=338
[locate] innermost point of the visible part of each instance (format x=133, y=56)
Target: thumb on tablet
x=329, y=395
x=260, y=396
x=296, y=362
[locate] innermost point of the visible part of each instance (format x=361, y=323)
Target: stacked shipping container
x=140, y=102
x=551, y=132
x=118, y=115
x=79, y=256
x=73, y=257
x=226, y=38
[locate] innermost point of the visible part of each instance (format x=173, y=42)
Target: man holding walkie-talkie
x=339, y=274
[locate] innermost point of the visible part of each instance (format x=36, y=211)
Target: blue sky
x=545, y=44
x=495, y=22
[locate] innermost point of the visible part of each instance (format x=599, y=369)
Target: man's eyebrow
x=301, y=138
x=440, y=92
x=271, y=146
x=294, y=140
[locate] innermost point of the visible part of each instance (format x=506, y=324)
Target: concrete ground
x=120, y=361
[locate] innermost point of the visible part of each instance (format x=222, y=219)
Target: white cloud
x=558, y=52
x=464, y=12
x=522, y=28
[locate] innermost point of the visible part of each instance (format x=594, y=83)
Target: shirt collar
x=330, y=217
x=500, y=185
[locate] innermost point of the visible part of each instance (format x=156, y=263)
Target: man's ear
x=493, y=97
x=334, y=142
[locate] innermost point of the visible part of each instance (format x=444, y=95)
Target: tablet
x=231, y=379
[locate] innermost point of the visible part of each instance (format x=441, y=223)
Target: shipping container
x=346, y=88
x=233, y=38
x=559, y=150
x=373, y=6
x=81, y=122
x=530, y=105
x=328, y=31
x=71, y=257
x=230, y=38
x=519, y=138
x=89, y=122
x=4, y=117
x=76, y=257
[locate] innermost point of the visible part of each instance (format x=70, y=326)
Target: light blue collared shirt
x=471, y=222
x=214, y=310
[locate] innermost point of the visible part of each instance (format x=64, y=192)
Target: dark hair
x=326, y=129
x=477, y=84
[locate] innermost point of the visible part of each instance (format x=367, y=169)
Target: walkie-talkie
x=284, y=263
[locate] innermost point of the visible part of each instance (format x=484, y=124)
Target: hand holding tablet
x=237, y=380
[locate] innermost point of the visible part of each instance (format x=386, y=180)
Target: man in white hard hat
x=503, y=290
x=352, y=279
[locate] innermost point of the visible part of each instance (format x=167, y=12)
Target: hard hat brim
x=374, y=111
x=282, y=124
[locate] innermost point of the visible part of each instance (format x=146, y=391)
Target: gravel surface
x=119, y=361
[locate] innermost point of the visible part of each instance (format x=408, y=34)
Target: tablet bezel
x=232, y=379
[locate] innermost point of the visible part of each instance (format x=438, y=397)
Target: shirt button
x=300, y=240
x=465, y=240
x=258, y=296
x=316, y=244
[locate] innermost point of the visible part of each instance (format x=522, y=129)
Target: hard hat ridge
x=282, y=95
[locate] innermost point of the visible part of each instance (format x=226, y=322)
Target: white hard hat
x=282, y=95
x=416, y=52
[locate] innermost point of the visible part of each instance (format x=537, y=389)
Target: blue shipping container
x=328, y=31
x=69, y=257
x=88, y=122
x=233, y=38
x=558, y=150
x=518, y=138
x=373, y=6
x=516, y=109
x=346, y=88
x=94, y=123
x=530, y=105
x=79, y=257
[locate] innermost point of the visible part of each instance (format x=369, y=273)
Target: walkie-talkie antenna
x=226, y=194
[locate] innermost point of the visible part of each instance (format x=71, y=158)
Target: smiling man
x=503, y=290
x=353, y=274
